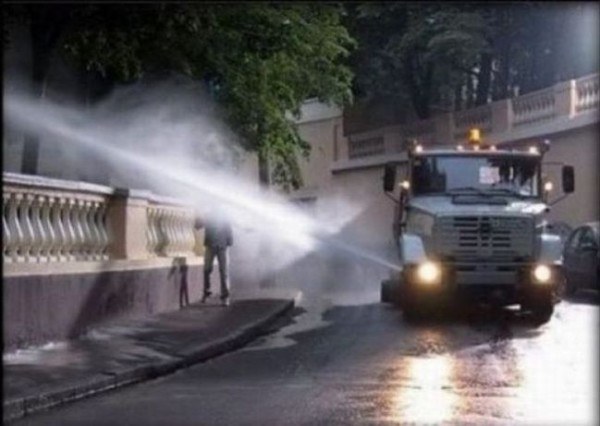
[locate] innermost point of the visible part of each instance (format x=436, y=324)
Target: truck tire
x=386, y=291
x=412, y=309
x=542, y=314
x=411, y=312
x=541, y=306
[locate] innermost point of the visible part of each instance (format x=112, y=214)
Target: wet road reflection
x=357, y=362
x=522, y=374
x=427, y=397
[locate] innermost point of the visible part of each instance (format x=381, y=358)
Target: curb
x=17, y=408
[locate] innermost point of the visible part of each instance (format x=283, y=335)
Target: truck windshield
x=502, y=175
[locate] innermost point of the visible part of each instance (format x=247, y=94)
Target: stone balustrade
x=170, y=230
x=52, y=220
x=533, y=107
x=366, y=147
x=480, y=117
x=587, y=93
x=44, y=220
x=423, y=131
x=501, y=121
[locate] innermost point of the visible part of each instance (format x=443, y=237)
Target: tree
x=46, y=24
x=430, y=47
x=258, y=60
x=463, y=55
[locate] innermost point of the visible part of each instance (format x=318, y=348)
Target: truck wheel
x=542, y=314
x=411, y=311
x=386, y=291
x=541, y=306
x=411, y=314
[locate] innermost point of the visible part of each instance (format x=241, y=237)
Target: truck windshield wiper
x=507, y=191
x=454, y=191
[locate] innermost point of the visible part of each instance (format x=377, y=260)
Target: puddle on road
x=55, y=354
x=315, y=307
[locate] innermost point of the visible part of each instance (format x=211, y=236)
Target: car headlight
x=428, y=273
x=542, y=274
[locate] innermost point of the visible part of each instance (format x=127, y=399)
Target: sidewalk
x=134, y=350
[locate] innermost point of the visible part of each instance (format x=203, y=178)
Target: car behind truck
x=469, y=226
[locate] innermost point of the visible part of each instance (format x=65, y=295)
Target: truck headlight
x=420, y=223
x=428, y=273
x=542, y=274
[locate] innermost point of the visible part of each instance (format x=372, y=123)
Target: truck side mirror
x=389, y=177
x=568, y=179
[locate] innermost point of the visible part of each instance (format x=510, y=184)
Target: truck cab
x=470, y=227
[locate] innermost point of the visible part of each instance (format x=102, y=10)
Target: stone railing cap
x=163, y=199
x=53, y=183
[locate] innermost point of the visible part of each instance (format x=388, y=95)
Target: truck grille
x=465, y=238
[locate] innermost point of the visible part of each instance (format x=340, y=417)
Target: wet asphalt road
x=349, y=360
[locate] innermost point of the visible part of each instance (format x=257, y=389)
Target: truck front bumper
x=505, y=283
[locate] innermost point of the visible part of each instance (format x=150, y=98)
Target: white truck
x=470, y=226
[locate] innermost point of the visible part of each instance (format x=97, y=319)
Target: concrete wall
x=581, y=149
x=322, y=136
x=51, y=307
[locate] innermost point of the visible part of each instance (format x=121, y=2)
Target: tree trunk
x=458, y=95
x=470, y=92
x=264, y=175
x=419, y=91
x=46, y=26
x=503, y=83
x=484, y=80
x=40, y=65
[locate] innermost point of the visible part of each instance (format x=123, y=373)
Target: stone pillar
x=340, y=141
x=127, y=214
x=444, y=129
x=502, y=116
x=565, y=98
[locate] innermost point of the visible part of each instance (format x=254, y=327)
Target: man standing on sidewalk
x=217, y=238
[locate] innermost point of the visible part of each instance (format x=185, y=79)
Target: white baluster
x=79, y=240
x=161, y=232
x=26, y=226
x=156, y=215
x=58, y=250
x=96, y=238
x=182, y=232
x=178, y=232
x=39, y=241
x=15, y=227
x=86, y=246
x=175, y=242
x=7, y=239
x=105, y=231
x=189, y=226
x=70, y=238
x=155, y=231
x=50, y=241
x=166, y=231
x=150, y=237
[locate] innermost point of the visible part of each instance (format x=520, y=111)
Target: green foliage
x=259, y=60
x=429, y=47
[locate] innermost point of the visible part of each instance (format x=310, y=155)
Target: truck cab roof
x=475, y=153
